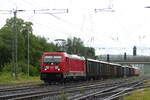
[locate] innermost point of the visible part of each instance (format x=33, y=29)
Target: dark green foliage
x=22, y=68
x=76, y=46
x=8, y=67
x=38, y=45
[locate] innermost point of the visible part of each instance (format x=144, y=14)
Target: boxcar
x=93, y=69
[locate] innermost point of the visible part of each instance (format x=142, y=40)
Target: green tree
x=76, y=46
x=23, y=29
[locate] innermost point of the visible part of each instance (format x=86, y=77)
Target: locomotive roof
x=76, y=57
x=67, y=55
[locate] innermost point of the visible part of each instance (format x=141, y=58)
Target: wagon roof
x=104, y=62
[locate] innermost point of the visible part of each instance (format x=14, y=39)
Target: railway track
x=126, y=91
x=37, y=91
x=76, y=91
x=110, y=93
x=14, y=84
x=106, y=93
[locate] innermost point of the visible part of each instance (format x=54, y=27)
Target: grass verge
x=139, y=95
x=7, y=78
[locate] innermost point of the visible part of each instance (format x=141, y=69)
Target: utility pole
x=16, y=45
x=28, y=56
x=15, y=41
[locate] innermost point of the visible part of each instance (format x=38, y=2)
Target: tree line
x=38, y=45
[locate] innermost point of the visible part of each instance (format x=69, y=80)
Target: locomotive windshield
x=52, y=60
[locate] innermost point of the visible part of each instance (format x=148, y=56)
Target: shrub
x=22, y=68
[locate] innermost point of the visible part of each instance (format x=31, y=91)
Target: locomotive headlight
x=57, y=68
x=46, y=68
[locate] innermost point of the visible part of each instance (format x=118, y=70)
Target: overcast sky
x=109, y=32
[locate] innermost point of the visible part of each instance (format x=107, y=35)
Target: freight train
x=61, y=66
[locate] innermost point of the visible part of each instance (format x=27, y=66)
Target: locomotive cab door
x=67, y=66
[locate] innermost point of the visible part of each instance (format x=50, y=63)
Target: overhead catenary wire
x=60, y=19
x=88, y=30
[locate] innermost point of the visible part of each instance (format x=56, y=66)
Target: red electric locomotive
x=60, y=66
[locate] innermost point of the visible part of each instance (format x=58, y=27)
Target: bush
x=22, y=68
x=33, y=71
x=8, y=67
x=6, y=77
